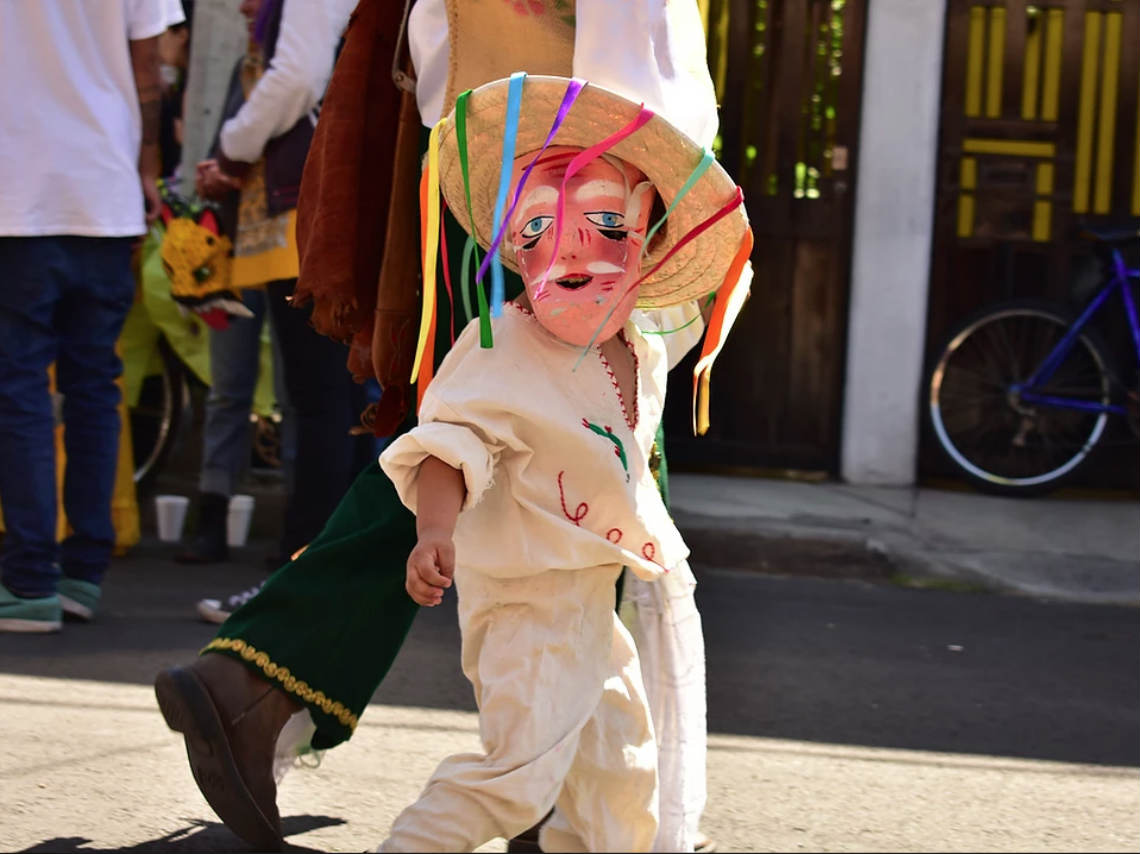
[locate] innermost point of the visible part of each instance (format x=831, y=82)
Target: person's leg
x=544, y=709
x=288, y=430
x=609, y=799
x=89, y=318
x=321, y=635
x=235, y=357
x=327, y=403
x=33, y=269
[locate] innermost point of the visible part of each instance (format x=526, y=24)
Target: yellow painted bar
x=974, y=61
x=1106, y=133
x=1043, y=208
x=1010, y=147
x=1136, y=170
x=1032, y=73
x=1085, y=112
x=966, y=215
x=996, y=55
x=1051, y=84
x=968, y=180
x=1042, y=221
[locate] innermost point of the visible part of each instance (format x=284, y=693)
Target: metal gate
x=1040, y=134
x=788, y=73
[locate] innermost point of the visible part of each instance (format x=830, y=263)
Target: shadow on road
x=196, y=835
x=828, y=661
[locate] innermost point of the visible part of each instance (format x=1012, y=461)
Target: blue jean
x=63, y=299
x=235, y=359
x=327, y=404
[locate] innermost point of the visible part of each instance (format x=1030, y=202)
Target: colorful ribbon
x=510, y=136
x=730, y=299
x=443, y=253
x=429, y=239
x=573, y=89
x=485, y=336
x=706, y=161
x=696, y=231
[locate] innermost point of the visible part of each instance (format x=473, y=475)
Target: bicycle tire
x=156, y=417
x=999, y=443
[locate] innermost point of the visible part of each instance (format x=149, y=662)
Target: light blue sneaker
x=78, y=599
x=29, y=615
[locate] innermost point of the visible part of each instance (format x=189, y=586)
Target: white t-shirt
x=70, y=126
x=662, y=61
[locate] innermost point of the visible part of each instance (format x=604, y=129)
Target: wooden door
x=1040, y=134
x=788, y=74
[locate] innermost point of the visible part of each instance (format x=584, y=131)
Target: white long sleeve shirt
x=662, y=58
x=555, y=462
x=295, y=80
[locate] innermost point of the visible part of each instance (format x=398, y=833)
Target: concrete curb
x=845, y=548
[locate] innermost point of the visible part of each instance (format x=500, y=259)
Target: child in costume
x=530, y=468
x=325, y=629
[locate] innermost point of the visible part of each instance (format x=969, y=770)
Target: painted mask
x=592, y=256
x=196, y=258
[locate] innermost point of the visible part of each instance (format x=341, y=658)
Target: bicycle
x=1022, y=391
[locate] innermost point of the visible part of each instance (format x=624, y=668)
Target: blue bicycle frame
x=1048, y=367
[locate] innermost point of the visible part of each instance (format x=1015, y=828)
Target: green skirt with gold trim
x=326, y=627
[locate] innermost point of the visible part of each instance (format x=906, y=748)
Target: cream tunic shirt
x=556, y=463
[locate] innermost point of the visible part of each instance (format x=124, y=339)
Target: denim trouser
x=235, y=359
x=63, y=299
x=326, y=404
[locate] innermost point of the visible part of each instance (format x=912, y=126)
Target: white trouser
x=563, y=718
x=662, y=618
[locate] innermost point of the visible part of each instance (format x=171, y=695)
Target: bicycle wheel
x=155, y=418
x=1001, y=443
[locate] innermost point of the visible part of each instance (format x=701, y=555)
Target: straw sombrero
x=667, y=157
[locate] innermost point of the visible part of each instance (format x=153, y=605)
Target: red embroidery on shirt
x=631, y=417
x=648, y=551
x=579, y=512
x=610, y=535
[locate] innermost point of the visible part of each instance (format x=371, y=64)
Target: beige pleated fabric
x=563, y=718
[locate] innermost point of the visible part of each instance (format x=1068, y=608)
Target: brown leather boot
x=231, y=719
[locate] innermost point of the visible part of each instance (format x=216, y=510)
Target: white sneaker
x=219, y=610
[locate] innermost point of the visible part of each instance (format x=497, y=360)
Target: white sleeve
x=663, y=61
x=294, y=81
x=145, y=19
x=451, y=436
x=678, y=327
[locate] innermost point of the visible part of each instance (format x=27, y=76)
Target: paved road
x=846, y=715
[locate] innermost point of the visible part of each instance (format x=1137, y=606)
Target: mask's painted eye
x=536, y=226
x=203, y=273
x=606, y=219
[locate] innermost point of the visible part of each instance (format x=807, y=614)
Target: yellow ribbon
x=430, y=247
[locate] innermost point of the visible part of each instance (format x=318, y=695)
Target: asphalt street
x=844, y=714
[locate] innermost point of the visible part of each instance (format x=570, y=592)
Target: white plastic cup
x=170, y=512
x=238, y=519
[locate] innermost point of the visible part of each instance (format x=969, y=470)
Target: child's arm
x=441, y=492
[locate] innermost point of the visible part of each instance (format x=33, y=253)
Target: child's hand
x=431, y=566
